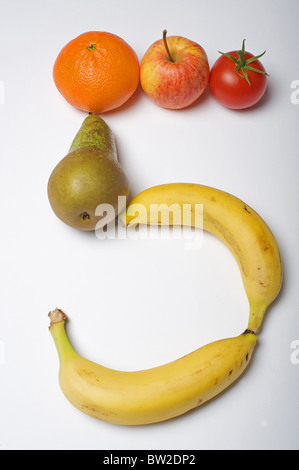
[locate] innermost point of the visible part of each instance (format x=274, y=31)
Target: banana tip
x=56, y=316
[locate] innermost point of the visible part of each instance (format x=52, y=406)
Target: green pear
x=88, y=176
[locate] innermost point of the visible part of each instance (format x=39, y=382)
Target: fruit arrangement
x=97, y=72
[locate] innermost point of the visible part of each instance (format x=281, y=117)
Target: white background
x=138, y=304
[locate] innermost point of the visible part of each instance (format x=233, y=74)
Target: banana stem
x=256, y=316
x=57, y=330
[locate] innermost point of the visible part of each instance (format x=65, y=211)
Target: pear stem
x=166, y=46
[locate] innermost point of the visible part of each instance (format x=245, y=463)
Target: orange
x=96, y=72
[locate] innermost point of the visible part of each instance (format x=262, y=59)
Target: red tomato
x=238, y=79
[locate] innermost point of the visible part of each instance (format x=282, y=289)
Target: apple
x=174, y=72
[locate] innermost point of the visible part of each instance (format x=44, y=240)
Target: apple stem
x=166, y=46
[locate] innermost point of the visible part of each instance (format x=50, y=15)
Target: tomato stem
x=166, y=46
x=242, y=64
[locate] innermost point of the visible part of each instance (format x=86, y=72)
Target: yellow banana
x=230, y=219
x=151, y=395
x=163, y=392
